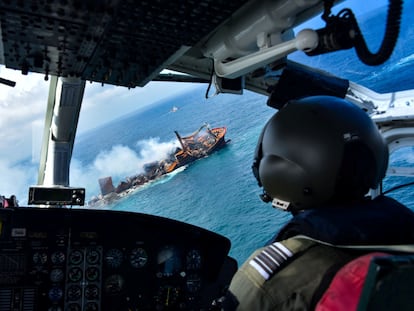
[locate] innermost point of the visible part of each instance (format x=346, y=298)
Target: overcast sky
x=22, y=111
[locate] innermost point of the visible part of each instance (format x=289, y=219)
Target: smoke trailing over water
x=119, y=162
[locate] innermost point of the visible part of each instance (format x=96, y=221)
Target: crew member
x=317, y=158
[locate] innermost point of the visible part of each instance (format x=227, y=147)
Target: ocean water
x=219, y=192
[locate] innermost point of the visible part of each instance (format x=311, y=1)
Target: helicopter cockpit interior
x=56, y=257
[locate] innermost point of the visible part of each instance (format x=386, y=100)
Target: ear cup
x=285, y=180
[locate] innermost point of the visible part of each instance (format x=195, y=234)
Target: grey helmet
x=318, y=150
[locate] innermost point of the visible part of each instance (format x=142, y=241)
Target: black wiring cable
x=211, y=79
x=342, y=32
x=389, y=41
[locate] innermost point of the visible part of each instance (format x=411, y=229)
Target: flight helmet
x=319, y=150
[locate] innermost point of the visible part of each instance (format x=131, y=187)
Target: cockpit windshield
x=124, y=134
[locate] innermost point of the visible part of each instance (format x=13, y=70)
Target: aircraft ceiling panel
x=110, y=41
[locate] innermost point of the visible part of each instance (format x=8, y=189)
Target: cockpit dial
x=169, y=261
x=193, y=283
x=91, y=292
x=58, y=257
x=56, y=275
x=74, y=292
x=93, y=256
x=39, y=258
x=75, y=274
x=114, y=284
x=114, y=257
x=168, y=298
x=92, y=274
x=75, y=257
x=193, y=259
x=138, y=257
x=55, y=294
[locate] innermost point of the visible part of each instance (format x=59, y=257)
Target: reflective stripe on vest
x=269, y=259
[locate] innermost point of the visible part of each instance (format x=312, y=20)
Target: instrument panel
x=79, y=259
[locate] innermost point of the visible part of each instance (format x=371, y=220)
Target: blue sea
x=219, y=192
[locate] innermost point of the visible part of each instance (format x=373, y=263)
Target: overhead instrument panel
x=75, y=259
x=110, y=41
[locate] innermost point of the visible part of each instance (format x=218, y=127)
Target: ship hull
x=196, y=148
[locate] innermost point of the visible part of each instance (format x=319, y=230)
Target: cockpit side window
x=399, y=181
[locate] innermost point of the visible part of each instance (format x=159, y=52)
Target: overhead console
x=78, y=259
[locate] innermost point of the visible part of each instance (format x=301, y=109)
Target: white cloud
x=16, y=179
x=21, y=108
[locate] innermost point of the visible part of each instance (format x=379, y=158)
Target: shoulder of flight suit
x=284, y=275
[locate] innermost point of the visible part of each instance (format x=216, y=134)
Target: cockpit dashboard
x=83, y=259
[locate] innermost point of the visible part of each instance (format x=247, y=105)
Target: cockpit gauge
x=92, y=306
x=55, y=294
x=169, y=261
x=74, y=292
x=168, y=297
x=75, y=257
x=193, y=282
x=39, y=258
x=193, y=260
x=114, y=257
x=114, y=284
x=92, y=273
x=74, y=307
x=75, y=274
x=93, y=256
x=58, y=257
x=56, y=275
x=91, y=292
x=138, y=257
